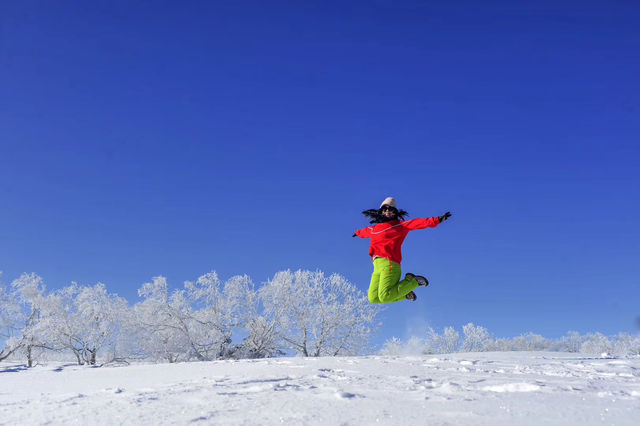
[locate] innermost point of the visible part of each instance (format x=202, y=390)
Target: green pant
x=386, y=286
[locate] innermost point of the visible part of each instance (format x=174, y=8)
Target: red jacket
x=387, y=237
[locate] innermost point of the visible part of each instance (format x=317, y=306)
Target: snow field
x=530, y=388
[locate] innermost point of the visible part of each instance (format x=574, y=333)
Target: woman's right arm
x=363, y=233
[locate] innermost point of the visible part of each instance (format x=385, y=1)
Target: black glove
x=444, y=217
x=354, y=235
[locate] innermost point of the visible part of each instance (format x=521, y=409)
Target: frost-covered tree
x=30, y=292
x=262, y=341
x=195, y=322
x=163, y=321
x=127, y=342
x=83, y=319
x=316, y=315
x=210, y=322
x=10, y=323
x=20, y=318
x=476, y=338
x=218, y=310
x=101, y=314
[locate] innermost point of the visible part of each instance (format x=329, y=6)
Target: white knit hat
x=389, y=201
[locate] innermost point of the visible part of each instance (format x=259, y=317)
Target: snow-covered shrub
x=596, y=344
x=448, y=342
x=415, y=346
x=500, y=345
x=626, y=344
x=433, y=342
x=531, y=342
x=570, y=343
x=392, y=347
x=451, y=340
x=476, y=338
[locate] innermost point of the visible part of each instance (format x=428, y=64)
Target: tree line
x=302, y=312
x=476, y=338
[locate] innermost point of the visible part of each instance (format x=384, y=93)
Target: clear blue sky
x=174, y=138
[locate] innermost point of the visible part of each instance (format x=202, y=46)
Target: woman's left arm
x=429, y=222
x=421, y=223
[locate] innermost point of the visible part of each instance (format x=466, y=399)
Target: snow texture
x=489, y=388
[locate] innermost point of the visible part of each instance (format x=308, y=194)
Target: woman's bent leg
x=406, y=286
x=390, y=288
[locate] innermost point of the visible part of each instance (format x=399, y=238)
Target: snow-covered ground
x=505, y=388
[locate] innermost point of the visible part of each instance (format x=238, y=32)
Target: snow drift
x=464, y=389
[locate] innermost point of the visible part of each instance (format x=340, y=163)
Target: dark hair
x=376, y=216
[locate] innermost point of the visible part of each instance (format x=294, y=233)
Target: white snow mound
x=500, y=388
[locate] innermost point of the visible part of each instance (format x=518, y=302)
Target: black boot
x=422, y=281
x=411, y=296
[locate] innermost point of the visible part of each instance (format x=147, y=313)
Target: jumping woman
x=387, y=234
